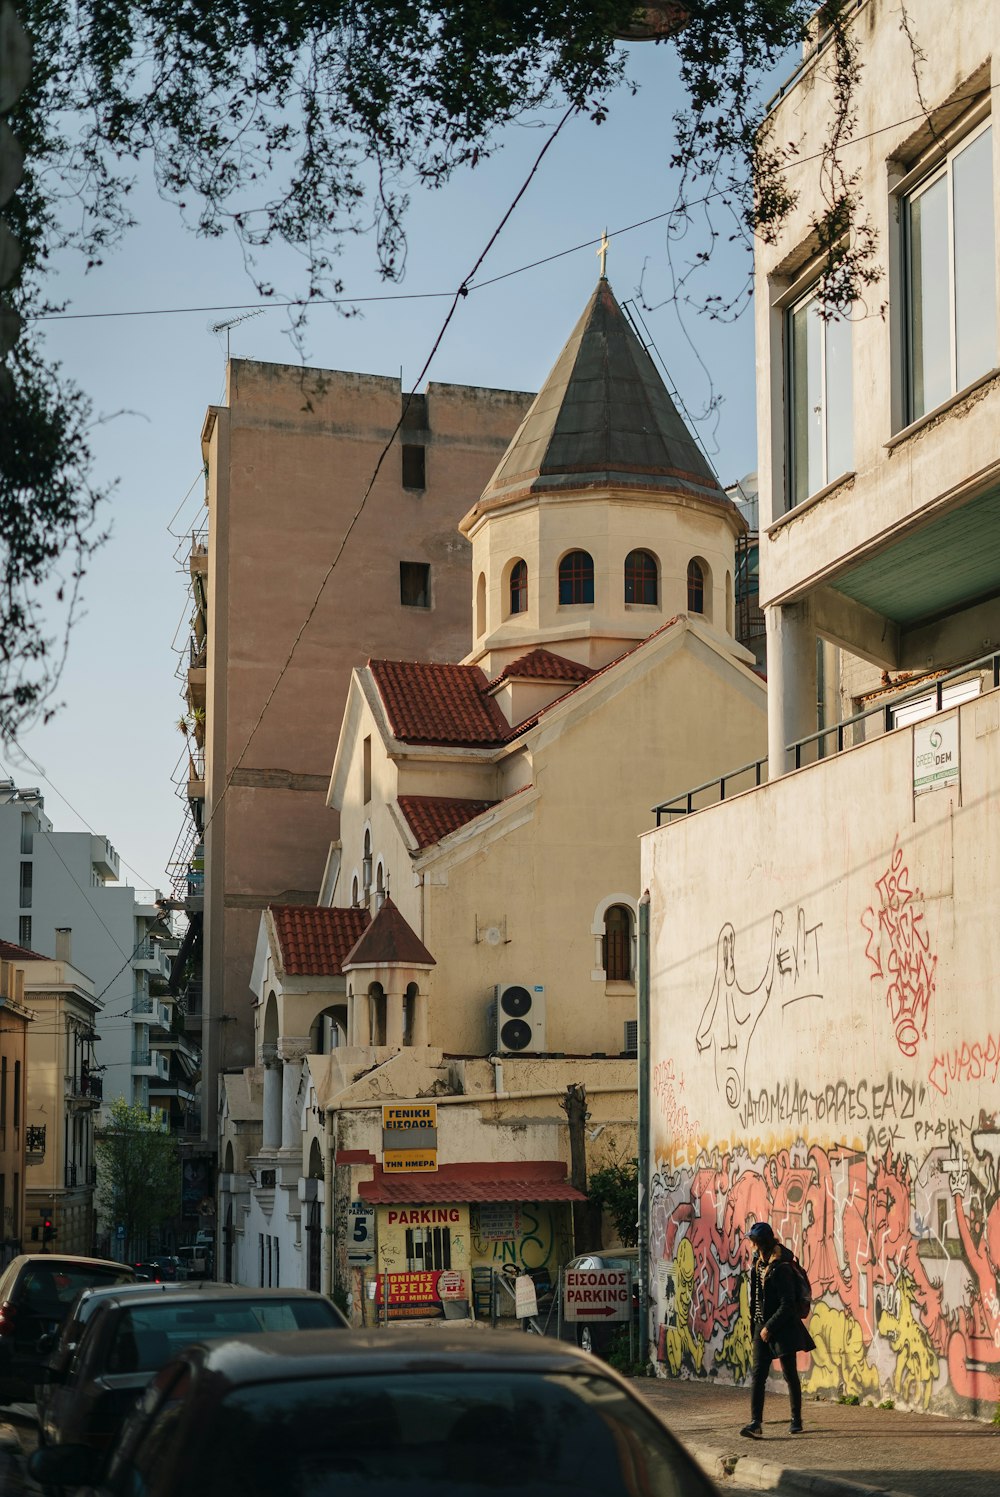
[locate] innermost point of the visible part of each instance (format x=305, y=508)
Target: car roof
x=114, y=1291
x=188, y=1292
x=274, y=1356
x=55, y=1260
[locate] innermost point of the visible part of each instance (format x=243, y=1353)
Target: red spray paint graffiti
x=899, y=951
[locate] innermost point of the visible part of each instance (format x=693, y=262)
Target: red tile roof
x=431, y=817
x=314, y=940
x=531, y=1180
x=389, y=939
x=11, y=953
x=438, y=702
x=543, y=665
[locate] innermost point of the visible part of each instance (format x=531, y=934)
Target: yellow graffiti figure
x=917, y=1363
x=737, y=1348
x=679, y=1338
x=838, y=1361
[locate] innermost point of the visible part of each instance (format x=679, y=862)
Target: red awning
x=541, y=1180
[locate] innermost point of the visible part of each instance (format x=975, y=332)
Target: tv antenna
x=226, y=327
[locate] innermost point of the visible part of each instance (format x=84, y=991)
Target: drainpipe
x=329, y=1200
x=643, y=1069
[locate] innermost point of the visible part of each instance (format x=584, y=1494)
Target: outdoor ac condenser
x=520, y=1019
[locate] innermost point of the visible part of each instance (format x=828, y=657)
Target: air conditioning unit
x=520, y=1019
x=630, y=1044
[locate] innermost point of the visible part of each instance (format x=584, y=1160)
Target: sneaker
x=795, y=1428
x=751, y=1431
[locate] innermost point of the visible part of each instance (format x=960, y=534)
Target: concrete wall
x=289, y=459
x=825, y=1055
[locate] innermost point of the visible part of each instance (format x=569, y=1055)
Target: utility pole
x=586, y=1216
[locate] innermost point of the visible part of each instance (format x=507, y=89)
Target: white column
x=394, y=1019
x=291, y=1049
x=791, y=682
x=419, y=1035
x=272, y=1099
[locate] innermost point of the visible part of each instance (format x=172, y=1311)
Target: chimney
x=64, y=943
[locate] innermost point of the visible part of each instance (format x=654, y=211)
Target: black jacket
x=774, y=1303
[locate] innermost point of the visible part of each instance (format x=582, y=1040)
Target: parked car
x=195, y=1261
x=171, y=1267
x=595, y=1336
x=420, y=1411
x=148, y=1273
x=58, y=1348
x=37, y=1291
x=129, y=1337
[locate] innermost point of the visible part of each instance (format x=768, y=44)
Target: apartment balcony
x=154, y=1012
x=34, y=1143
x=151, y=957
x=162, y=1091
x=103, y=857
x=150, y=1063
x=85, y=1088
x=198, y=556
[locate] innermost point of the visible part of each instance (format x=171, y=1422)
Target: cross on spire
x=602, y=254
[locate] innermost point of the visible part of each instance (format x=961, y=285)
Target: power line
x=457, y=297
x=391, y=296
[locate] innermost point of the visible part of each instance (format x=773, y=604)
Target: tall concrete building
x=289, y=460
x=67, y=881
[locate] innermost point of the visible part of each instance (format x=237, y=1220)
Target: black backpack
x=803, y=1288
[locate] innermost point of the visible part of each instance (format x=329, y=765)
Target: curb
x=723, y=1465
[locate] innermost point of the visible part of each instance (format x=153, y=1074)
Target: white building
x=825, y=1020
x=52, y=881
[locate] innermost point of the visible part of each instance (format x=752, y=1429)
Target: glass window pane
x=839, y=400
x=975, y=264
x=930, y=320
x=807, y=402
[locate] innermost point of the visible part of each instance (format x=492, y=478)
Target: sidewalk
x=842, y=1451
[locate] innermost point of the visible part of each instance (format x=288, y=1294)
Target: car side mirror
x=64, y=1465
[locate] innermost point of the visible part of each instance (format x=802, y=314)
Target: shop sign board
x=935, y=754
x=361, y=1233
x=597, y=1294
x=409, y=1137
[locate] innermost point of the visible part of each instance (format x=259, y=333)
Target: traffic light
x=48, y=1229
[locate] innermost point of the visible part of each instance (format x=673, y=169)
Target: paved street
x=841, y=1450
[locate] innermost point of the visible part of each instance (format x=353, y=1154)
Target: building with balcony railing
x=59, y=1098
x=51, y=880
x=822, y=949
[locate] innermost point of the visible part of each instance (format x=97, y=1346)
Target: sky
x=113, y=752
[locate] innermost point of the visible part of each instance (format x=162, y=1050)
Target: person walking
x=778, y=1330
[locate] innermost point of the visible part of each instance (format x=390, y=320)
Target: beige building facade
x=825, y=1025
x=474, y=947
x=15, y=1019
x=289, y=457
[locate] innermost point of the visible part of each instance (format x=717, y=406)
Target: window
x=24, y=931
x=366, y=768
x=3, y=1094
x=640, y=578
x=354, y=892
x=366, y=868
x=519, y=587
x=26, y=882
x=480, y=605
x=617, y=950
x=379, y=887
x=576, y=578
x=949, y=270
x=414, y=467
x=820, y=398
x=17, y=1094
x=696, y=588
x=415, y=584
x=427, y=1248
x=27, y=831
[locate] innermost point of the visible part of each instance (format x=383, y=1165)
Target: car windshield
x=50, y=1289
x=439, y=1434
x=150, y=1335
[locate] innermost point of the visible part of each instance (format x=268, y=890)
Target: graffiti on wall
x=535, y=1240
x=903, y=1257
x=899, y=952
x=733, y=1012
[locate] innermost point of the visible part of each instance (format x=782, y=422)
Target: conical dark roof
x=602, y=419
x=388, y=940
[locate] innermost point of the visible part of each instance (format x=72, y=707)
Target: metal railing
x=70, y=1177
x=843, y=733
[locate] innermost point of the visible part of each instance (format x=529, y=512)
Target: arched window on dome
x=519, y=587
x=576, y=578
x=641, y=578
x=696, y=587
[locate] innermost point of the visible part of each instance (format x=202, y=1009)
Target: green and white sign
x=935, y=754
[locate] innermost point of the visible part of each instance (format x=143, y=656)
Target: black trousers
x=763, y=1356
